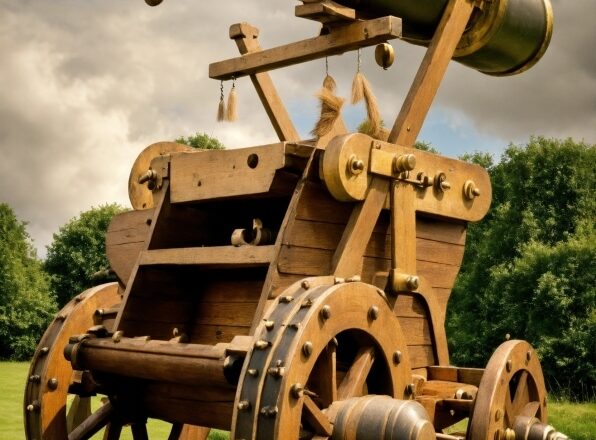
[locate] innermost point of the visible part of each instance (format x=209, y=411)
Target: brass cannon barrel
x=504, y=37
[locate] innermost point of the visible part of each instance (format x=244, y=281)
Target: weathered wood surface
x=342, y=39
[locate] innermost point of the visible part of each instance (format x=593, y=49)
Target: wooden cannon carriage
x=289, y=291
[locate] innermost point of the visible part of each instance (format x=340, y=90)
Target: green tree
x=78, y=251
x=26, y=307
x=201, y=140
x=529, y=266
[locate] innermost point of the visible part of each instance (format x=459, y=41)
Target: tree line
x=528, y=270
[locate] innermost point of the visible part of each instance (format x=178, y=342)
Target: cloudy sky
x=85, y=85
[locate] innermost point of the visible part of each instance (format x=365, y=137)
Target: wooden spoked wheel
x=336, y=342
x=51, y=375
x=512, y=386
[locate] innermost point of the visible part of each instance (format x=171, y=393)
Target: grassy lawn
x=578, y=421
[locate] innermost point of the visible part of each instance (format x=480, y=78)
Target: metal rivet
x=34, y=406
x=44, y=350
x=498, y=415
x=117, y=337
x=307, y=348
x=53, y=383
x=34, y=378
x=262, y=345
x=507, y=336
x=338, y=280
x=373, y=313
x=244, y=405
x=528, y=356
x=269, y=325
x=252, y=372
x=410, y=389
x=354, y=279
x=509, y=365
x=286, y=299
x=305, y=285
x=412, y=282
x=276, y=371
x=325, y=312
x=297, y=390
x=61, y=317
x=269, y=411
x=397, y=357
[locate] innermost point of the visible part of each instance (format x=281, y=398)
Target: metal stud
x=262, y=344
x=307, y=348
x=354, y=279
x=338, y=280
x=397, y=356
x=34, y=378
x=44, y=350
x=276, y=371
x=252, y=372
x=305, y=285
x=325, y=312
x=286, y=299
x=33, y=406
x=269, y=325
x=244, y=405
x=269, y=411
x=498, y=415
x=53, y=383
x=373, y=313
x=117, y=336
x=509, y=365
x=297, y=390
x=528, y=356
x=410, y=388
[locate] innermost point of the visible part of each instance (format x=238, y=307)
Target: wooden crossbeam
x=212, y=256
x=339, y=40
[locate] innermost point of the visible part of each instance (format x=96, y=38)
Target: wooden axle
x=164, y=361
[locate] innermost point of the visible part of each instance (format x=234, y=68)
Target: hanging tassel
x=232, y=113
x=221, y=110
x=330, y=105
x=329, y=82
x=361, y=89
x=330, y=110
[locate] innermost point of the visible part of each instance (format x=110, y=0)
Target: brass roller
x=503, y=37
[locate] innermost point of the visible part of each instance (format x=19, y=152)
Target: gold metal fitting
x=244, y=405
x=373, y=313
x=403, y=282
x=384, y=55
x=397, y=356
x=470, y=190
x=297, y=390
x=307, y=348
x=441, y=183
x=325, y=312
x=404, y=162
x=355, y=165
x=262, y=344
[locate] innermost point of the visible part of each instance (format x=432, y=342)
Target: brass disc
x=140, y=196
x=512, y=385
x=50, y=373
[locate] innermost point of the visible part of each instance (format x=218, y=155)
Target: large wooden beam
x=338, y=40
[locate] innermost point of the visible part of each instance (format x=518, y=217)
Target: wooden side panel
x=124, y=240
x=310, y=243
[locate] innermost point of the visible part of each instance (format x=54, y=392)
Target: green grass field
x=578, y=421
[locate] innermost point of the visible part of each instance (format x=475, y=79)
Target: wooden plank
x=339, y=40
x=216, y=174
x=210, y=256
x=232, y=314
x=409, y=306
x=230, y=291
x=122, y=258
x=160, y=309
x=325, y=11
x=421, y=356
x=416, y=330
x=129, y=227
x=246, y=37
x=214, y=334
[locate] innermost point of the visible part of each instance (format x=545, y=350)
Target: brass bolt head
x=117, y=337
x=244, y=405
x=307, y=348
x=297, y=390
x=509, y=434
x=261, y=344
x=397, y=356
x=528, y=356
x=355, y=165
x=252, y=372
x=53, y=383
x=34, y=378
x=269, y=325
x=404, y=162
x=498, y=415
x=44, y=350
x=412, y=282
x=373, y=313
x=410, y=388
x=305, y=285
x=509, y=365
x=325, y=312
x=286, y=299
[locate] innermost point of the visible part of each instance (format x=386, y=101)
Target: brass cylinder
x=503, y=37
x=381, y=417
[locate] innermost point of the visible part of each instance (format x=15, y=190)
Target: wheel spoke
x=80, y=410
x=324, y=376
x=139, y=431
x=353, y=384
x=522, y=395
x=93, y=423
x=315, y=417
x=509, y=410
x=113, y=431
x=531, y=409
